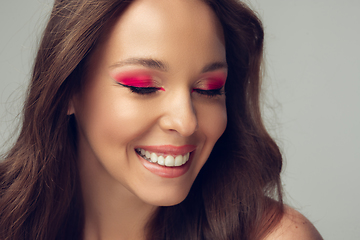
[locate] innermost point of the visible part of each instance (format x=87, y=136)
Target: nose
x=179, y=114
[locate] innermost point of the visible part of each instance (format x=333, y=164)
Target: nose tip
x=180, y=117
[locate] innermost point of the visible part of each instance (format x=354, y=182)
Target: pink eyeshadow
x=139, y=81
x=142, y=81
x=212, y=84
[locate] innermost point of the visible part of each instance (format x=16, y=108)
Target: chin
x=166, y=197
x=172, y=201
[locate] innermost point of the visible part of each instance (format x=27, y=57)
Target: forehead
x=176, y=15
x=161, y=27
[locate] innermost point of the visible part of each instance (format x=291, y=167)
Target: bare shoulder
x=294, y=226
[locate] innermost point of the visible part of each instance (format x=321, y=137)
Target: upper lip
x=169, y=149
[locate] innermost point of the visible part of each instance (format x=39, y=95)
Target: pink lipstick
x=166, y=160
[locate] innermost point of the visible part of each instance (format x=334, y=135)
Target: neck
x=116, y=221
x=111, y=211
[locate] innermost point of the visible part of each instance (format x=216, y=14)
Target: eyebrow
x=159, y=65
x=145, y=62
x=214, y=66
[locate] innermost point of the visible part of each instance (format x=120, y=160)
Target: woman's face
x=153, y=104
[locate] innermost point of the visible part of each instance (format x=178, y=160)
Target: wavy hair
x=237, y=194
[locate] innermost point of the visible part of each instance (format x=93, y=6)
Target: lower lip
x=166, y=172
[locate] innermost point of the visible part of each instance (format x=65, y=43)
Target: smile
x=163, y=160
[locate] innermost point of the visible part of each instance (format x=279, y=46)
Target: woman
x=126, y=106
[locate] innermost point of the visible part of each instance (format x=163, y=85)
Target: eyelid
x=142, y=90
x=210, y=93
x=137, y=80
x=143, y=81
x=210, y=84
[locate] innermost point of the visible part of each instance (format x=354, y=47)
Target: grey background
x=312, y=97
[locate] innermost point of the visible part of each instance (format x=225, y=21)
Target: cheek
x=212, y=120
x=128, y=120
x=112, y=119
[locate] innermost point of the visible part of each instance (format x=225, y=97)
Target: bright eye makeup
x=211, y=87
x=144, y=83
x=140, y=84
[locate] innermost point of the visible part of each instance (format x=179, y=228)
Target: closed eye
x=209, y=93
x=142, y=90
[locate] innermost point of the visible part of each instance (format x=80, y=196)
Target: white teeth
x=168, y=160
x=154, y=157
x=161, y=160
x=179, y=160
x=147, y=154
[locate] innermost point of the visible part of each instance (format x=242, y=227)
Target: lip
x=168, y=172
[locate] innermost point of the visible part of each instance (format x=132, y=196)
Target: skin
x=294, y=226
x=120, y=194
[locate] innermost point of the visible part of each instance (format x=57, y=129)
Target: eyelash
x=210, y=93
x=141, y=90
x=151, y=90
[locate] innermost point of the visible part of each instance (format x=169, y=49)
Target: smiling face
x=152, y=105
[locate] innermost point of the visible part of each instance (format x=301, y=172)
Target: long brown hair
x=237, y=194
